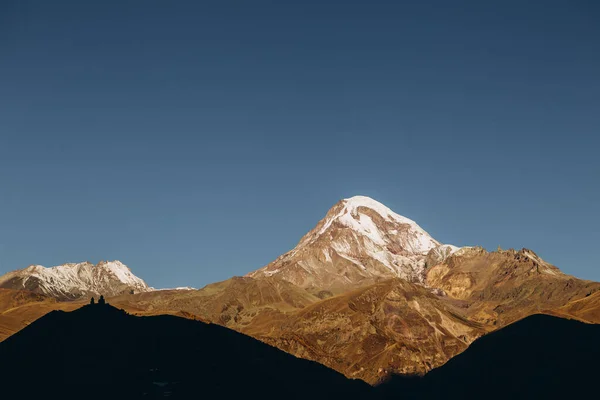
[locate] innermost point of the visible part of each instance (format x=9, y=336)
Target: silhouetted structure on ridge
x=101, y=301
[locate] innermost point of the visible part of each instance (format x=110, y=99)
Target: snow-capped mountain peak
x=376, y=222
x=420, y=241
x=359, y=240
x=75, y=280
x=355, y=202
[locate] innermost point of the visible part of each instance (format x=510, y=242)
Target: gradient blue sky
x=199, y=140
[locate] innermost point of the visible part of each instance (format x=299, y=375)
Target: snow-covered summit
x=421, y=241
x=359, y=240
x=352, y=203
x=74, y=280
x=373, y=220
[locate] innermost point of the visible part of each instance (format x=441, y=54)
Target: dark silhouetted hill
x=102, y=352
x=539, y=357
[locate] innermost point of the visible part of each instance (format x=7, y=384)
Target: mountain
x=98, y=351
x=368, y=293
x=392, y=326
x=75, y=280
x=539, y=357
x=359, y=242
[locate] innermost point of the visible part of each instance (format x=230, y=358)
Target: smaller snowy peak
x=75, y=280
x=121, y=272
x=182, y=288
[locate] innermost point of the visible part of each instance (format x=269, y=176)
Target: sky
x=198, y=140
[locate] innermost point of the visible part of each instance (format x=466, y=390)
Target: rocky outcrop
x=503, y=286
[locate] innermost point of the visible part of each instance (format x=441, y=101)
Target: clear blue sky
x=199, y=140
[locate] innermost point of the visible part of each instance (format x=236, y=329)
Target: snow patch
x=419, y=240
x=364, y=225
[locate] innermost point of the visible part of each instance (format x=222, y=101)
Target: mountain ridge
x=75, y=280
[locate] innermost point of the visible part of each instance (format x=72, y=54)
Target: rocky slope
x=19, y=308
x=233, y=303
x=389, y=327
x=501, y=287
x=586, y=309
x=75, y=280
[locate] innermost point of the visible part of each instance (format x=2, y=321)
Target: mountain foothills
x=367, y=293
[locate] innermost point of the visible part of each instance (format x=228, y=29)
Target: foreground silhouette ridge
x=154, y=357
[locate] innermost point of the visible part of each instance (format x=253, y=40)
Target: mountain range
x=367, y=292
